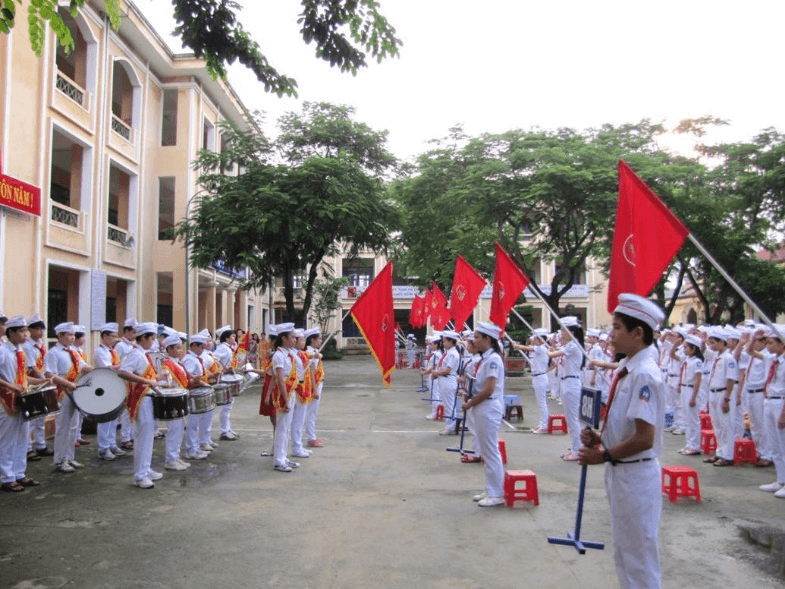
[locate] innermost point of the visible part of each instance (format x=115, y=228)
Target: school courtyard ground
x=381, y=505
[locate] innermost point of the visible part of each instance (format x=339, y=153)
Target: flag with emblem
x=440, y=316
x=426, y=306
x=646, y=237
x=467, y=284
x=375, y=318
x=508, y=284
x=415, y=313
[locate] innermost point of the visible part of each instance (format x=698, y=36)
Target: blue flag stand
x=589, y=414
x=463, y=422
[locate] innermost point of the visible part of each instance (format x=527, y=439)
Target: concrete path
x=381, y=505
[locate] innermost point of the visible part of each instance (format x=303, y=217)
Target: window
x=169, y=119
x=359, y=271
x=165, y=208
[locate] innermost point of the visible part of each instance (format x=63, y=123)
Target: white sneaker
x=291, y=464
x=106, y=455
x=154, y=476
x=145, y=483
x=184, y=463
x=76, y=464
x=174, y=466
x=229, y=436
x=677, y=432
x=65, y=467
x=302, y=454
x=206, y=448
x=780, y=494
x=117, y=451
x=771, y=487
x=480, y=497
x=431, y=417
x=214, y=444
x=196, y=455
x=491, y=501
x=284, y=468
x=234, y=433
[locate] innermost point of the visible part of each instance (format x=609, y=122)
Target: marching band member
x=447, y=376
x=214, y=369
x=179, y=378
x=195, y=367
x=226, y=355
x=266, y=406
x=285, y=370
x=76, y=424
x=313, y=341
x=35, y=350
x=14, y=430
x=305, y=390
x=466, y=384
x=631, y=441
x=539, y=363
x=571, y=380
x=63, y=365
x=105, y=356
x=487, y=405
x=138, y=369
x=125, y=345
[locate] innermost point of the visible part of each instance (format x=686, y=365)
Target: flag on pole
x=417, y=312
x=440, y=316
x=646, y=237
x=508, y=284
x=245, y=343
x=375, y=317
x=426, y=306
x=467, y=284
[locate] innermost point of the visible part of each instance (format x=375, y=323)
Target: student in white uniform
x=285, y=373
x=125, y=345
x=774, y=407
x=723, y=378
x=313, y=341
x=571, y=381
x=35, y=350
x=105, y=356
x=487, y=405
x=447, y=375
x=690, y=376
x=225, y=354
x=195, y=367
x=466, y=386
x=432, y=383
x=539, y=360
x=752, y=378
x=179, y=378
x=631, y=444
x=80, y=338
x=301, y=400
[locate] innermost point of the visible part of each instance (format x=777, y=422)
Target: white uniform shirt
x=490, y=365
x=639, y=395
x=451, y=360
x=723, y=369
x=573, y=358
x=192, y=365
x=776, y=387
x=8, y=361
x=282, y=359
x=102, y=357
x=124, y=346
x=754, y=369
x=690, y=366
x=31, y=352
x=135, y=361
x=539, y=360
x=58, y=360
x=223, y=353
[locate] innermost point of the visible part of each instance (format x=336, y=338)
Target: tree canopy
x=342, y=31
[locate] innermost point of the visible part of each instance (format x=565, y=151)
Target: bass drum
x=100, y=395
x=170, y=403
x=223, y=394
x=201, y=400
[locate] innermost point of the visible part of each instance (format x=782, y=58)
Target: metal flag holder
x=589, y=414
x=463, y=422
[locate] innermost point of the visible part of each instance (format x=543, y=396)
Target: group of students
x=149, y=358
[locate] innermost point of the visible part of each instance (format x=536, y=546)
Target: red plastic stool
x=678, y=482
x=503, y=450
x=526, y=493
x=706, y=421
x=557, y=423
x=439, y=413
x=708, y=441
x=744, y=451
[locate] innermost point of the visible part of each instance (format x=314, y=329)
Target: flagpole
x=329, y=337
x=730, y=280
x=558, y=320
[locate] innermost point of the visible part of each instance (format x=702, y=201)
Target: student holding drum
x=35, y=350
x=226, y=355
x=175, y=398
x=201, y=401
x=105, y=356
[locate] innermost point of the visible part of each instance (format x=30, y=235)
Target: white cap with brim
x=570, y=321
x=718, y=333
x=171, y=340
x=694, y=340
x=16, y=321
x=641, y=308
x=433, y=339
x=299, y=333
x=110, y=327
x=221, y=330
x=79, y=329
x=603, y=337
x=146, y=328
x=489, y=329
x=732, y=332
x=541, y=333
x=67, y=327
x=130, y=322
x=285, y=328
x=312, y=331
x=36, y=318
x=198, y=338
x=272, y=330
x=453, y=335
x=205, y=333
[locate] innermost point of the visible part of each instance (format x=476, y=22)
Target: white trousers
x=223, y=417
x=76, y=425
x=313, y=411
x=771, y=414
x=540, y=385
x=196, y=434
x=433, y=386
x=206, y=428
x=571, y=399
x=107, y=435
x=635, y=496
x=126, y=429
x=298, y=422
x=724, y=424
x=447, y=392
x=174, y=439
x=14, y=432
x=37, y=428
x=144, y=433
x=487, y=419
x=65, y=437
x=755, y=406
x=281, y=440
x=473, y=431
x=692, y=420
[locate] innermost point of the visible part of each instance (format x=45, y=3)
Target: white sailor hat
x=778, y=332
x=570, y=321
x=299, y=333
x=182, y=334
x=680, y=331
x=489, y=329
x=35, y=318
x=593, y=332
x=410, y=336
x=205, y=333
x=717, y=332
x=67, y=327
x=453, y=335
x=641, y=308
x=171, y=340
x=16, y=321
x=603, y=337
x=110, y=327
x=732, y=332
x=284, y=328
x=694, y=340
x=79, y=329
x=221, y=330
x=130, y=322
x=540, y=333
x=272, y=330
x=312, y=331
x=199, y=338
x=146, y=328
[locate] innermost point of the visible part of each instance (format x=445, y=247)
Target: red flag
x=415, y=313
x=426, y=306
x=508, y=284
x=245, y=343
x=646, y=237
x=467, y=284
x=440, y=316
x=374, y=315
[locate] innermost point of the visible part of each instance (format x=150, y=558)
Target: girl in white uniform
x=286, y=380
x=571, y=381
x=690, y=376
x=434, y=343
x=539, y=359
x=466, y=382
x=313, y=341
x=487, y=406
x=447, y=375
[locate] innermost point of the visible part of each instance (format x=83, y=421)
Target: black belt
x=774, y=397
x=673, y=375
x=538, y=374
x=757, y=391
x=633, y=461
x=687, y=385
x=566, y=377
x=718, y=390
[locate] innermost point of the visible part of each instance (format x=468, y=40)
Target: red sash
x=8, y=397
x=115, y=357
x=138, y=390
x=177, y=372
x=73, y=372
x=319, y=374
x=290, y=383
x=39, y=362
x=305, y=388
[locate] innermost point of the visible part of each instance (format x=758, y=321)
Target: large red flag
x=414, y=311
x=646, y=237
x=375, y=317
x=440, y=316
x=467, y=284
x=426, y=306
x=508, y=284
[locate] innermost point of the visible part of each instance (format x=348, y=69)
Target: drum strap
x=177, y=372
x=7, y=397
x=136, y=391
x=73, y=372
x=115, y=357
x=290, y=383
x=39, y=362
x=305, y=388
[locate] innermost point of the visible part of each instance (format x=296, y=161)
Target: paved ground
x=381, y=505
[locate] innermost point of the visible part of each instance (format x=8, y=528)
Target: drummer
x=35, y=350
x=64, y=365
x=195, y=367
x=179, y=379
x=125, y=345
x=313, y=341
x=14, y=429
x=226, y=355
x=306, y=387
x=76, y=424
x=105, y=356
x=266, y=405
x=138, y=369
x=214, y=369
x=286, y=377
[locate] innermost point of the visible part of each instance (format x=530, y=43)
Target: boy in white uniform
x=105, y=356
x=35, y=350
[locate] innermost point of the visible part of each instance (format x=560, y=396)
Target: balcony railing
x=121, y=128
x=65, y=215
x=118, y=235
x=71, y=89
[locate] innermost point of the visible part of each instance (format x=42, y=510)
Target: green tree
x=281, y=220
x=327, y=298
x=341, y=30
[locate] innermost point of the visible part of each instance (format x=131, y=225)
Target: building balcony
x=120, y=247
x=67, y=229
x=72, y=101
x=122, y=129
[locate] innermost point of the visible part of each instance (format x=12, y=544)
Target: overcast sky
x=505, y=64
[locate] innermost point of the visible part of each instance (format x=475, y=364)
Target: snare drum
x=38, y=403
x=100, y=395
x=170, y=403
x=234, y=381
x=201, y=400
x=223, y=395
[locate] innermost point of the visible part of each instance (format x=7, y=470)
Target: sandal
x=27, y=482
x=710, y=459
x=722, y=462
x=12, y=487
x=466, y=459
x=127, y=445
x=763, y=462
x=570, y=457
